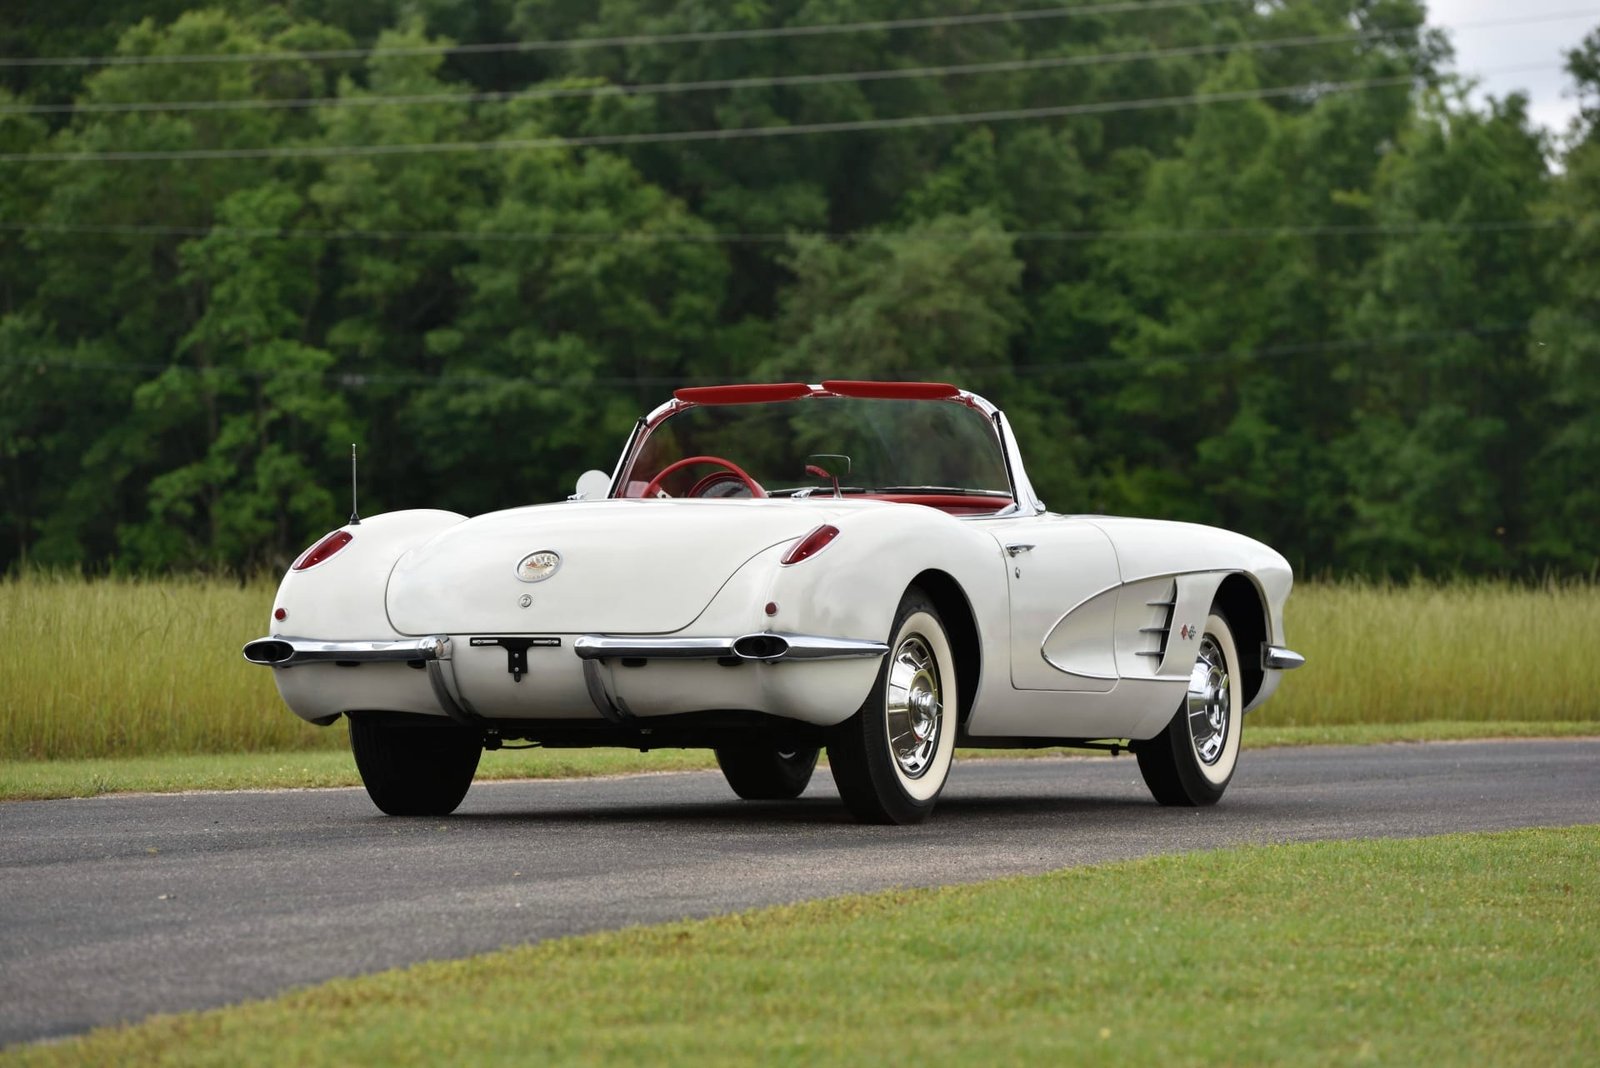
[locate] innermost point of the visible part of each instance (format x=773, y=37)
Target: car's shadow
x=765, y=815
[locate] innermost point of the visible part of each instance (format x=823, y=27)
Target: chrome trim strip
x=1021, y=488
x=627, y=452
x=598, y=695
x=308, y=651
x=1277, y=658
x=600, y=646
x=801, y=647
x=442, y=677
x=811, y=647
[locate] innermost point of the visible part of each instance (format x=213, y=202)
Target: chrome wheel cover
x=1210, y=702
x=913, y=707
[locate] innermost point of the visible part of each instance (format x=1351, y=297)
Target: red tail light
x=323, y=549
x=811, y=544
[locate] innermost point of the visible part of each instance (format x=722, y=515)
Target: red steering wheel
x=734, y=469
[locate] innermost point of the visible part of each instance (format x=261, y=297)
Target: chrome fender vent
x=1157, y=633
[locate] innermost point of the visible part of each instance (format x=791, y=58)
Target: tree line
x=1262, y=265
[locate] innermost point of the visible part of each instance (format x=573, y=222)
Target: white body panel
x=1085, y=627
x=611, y=551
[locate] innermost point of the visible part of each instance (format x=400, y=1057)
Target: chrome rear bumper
x=292, y=652
x=764, y=646
x=280, y=652
x=597, y=652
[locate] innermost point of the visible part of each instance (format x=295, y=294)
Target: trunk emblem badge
x=536, y=567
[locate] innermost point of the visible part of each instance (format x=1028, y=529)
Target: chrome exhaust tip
x=761, y=647
x=268, y=651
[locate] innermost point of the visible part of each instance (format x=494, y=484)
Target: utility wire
x=648, y=237
x=627, y=40
x=350, y=379
x=543, y=92
x=1314, y=89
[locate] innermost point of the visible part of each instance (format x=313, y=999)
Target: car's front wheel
x=891, y=759
x=1191, y=761
x=413, y=765
x=767, y=772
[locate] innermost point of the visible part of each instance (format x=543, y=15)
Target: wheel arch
x=1246, y=610
x=961, y=627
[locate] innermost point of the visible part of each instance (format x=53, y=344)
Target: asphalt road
x=114, y=908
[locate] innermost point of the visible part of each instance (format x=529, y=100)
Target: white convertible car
x=775, y=569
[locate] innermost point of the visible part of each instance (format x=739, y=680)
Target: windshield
x=798, y=447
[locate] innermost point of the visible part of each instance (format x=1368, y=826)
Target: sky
x=1479, y=50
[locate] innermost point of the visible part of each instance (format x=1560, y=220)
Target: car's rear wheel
x=413, y=766
x=891, y=759
x=767, y=772
x=1192, y=760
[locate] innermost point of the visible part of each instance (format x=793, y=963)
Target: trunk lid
x=627, y=566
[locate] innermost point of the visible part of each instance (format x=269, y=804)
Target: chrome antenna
x=355, y=516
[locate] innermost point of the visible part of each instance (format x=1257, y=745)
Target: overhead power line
x=646, y=237
x=542, y=92
x=753, y=33
x=642, y=40
x=313, y=151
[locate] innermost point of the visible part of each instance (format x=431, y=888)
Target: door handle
x=1017, y=550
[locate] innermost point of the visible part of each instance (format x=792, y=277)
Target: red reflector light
x=323, y=549
x=811, y=544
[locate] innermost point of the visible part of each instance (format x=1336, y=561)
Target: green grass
x=22, y=780
x=123, y=667
x=1459, y=651
x=1468, y=949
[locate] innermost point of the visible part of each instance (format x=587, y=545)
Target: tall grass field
x=127, y=667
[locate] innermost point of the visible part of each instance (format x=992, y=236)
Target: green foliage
x=1564, y=346
x=925, y=301
x=1360, y=325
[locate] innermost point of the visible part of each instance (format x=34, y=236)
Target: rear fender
x=343, y=596
x=853, y=587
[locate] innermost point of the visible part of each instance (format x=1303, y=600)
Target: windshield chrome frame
x=1025, y=501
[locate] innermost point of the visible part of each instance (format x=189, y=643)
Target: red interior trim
x=892, y=390
x=756, y=394
x=954, y=503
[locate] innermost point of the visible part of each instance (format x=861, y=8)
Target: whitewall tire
x=891, y=759
x=1192, y=760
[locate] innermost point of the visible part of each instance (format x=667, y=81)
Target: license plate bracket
x=516, y=647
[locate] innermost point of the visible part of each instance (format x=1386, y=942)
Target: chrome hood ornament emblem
x=538, y=566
